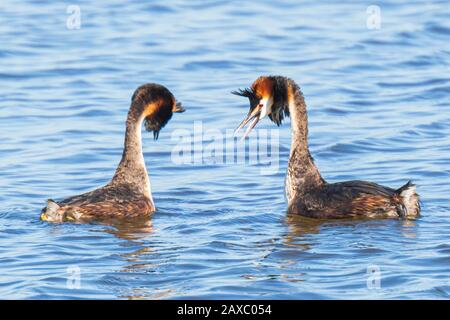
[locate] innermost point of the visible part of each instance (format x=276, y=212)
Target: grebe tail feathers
x=410, y=204
x=50, y=211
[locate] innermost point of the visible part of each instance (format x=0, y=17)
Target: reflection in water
x=320, y=244
x=299, y=230
x=136, y=229
x=408, y=228
x=137, y=262
x=144, y=293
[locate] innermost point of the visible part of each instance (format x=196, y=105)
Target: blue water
x=378, y=103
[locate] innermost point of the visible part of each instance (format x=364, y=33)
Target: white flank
x=410, y=200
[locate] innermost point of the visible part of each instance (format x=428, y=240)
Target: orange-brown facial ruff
x=157, y=113
x=260, y=95
x=263, y=87
x=268, y=97
x=159, y=105
x=156, y=104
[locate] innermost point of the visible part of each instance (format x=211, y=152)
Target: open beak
x=253, y=118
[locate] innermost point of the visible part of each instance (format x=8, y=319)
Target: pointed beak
x=253, y=117
x=178, y=108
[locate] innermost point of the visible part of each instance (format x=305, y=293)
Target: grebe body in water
x=307, y=193
x=128, y=194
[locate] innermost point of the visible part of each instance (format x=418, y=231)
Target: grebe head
x=156, y=104
x=268, y=97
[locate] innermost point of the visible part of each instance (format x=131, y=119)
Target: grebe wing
x=352, y=189
x=111, y=209
x=108, y=193
x=97, y=195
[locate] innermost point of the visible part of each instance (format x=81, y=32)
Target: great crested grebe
x=128, y=194
x=307, y=193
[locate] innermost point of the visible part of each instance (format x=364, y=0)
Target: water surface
x=378, y=108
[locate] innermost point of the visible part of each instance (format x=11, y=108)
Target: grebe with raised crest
x=307, y=193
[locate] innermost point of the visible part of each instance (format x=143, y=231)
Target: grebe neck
x=131, y=169
x=302, y=174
